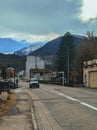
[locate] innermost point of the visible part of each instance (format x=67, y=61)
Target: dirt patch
x=5, y=106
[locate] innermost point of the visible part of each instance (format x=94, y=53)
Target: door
x=93, y=79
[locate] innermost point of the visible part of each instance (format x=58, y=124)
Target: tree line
x=13, y=61
x=70, y=56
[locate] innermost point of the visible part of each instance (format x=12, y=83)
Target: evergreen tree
x=3, y=72
x=65, y=54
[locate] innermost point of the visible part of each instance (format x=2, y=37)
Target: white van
x=33, y=83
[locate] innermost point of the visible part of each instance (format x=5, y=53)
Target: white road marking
x=70, y=98
x=87, y=105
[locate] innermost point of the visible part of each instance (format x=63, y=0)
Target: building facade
x=33, y=62
x=41, y=74
x=90, y=73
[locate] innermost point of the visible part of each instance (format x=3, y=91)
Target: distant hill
x=51, y=47
x=48, y=51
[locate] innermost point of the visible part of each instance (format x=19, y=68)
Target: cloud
x=30, y=38
x=89, y=11
x=37, y=16
x=93, y=20
x=39, y=19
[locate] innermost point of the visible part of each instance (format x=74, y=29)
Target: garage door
x=93, y=79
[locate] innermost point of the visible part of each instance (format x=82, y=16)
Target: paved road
x=65, y=108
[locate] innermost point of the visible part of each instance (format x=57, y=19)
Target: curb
x=35, y=126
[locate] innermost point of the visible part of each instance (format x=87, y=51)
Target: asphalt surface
x=65, y=108
x=52, y=107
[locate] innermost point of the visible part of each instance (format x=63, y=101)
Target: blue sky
x=44, y=20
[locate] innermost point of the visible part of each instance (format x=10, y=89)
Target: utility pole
x=67, y=65
x=14, y=69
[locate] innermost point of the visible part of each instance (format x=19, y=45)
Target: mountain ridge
x=26, y=50
x=36, y=48
x=21, y=48
x=51, y=47
x=11, y=45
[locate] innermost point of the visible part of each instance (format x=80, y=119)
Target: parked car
x=33, y=83
x=4, y=86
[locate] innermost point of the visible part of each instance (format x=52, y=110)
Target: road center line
x=70, y=98
x=87, y=105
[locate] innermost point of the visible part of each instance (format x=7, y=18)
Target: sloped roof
x=37, y=70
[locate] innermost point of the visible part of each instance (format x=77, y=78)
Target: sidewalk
x=19, y=117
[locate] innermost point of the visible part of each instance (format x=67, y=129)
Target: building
x=90, y=73
x=41, y=74
x=33, y=62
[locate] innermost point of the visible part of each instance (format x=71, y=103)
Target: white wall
x=33, y=62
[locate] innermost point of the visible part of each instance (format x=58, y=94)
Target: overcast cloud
x=43, y=20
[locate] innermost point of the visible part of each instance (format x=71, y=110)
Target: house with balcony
x=90, y=73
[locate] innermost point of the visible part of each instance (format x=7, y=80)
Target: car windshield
x=33, y=80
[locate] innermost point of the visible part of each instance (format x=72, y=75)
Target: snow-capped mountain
x=49, y=48
x=8, y=45
x=21, y=48
x=29, y=49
